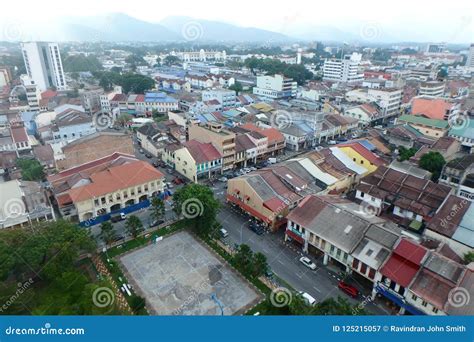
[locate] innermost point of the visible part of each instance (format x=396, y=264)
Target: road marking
x=314, y=287
x=281, y=262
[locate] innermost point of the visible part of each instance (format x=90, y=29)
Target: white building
x=432, y=88
x=43, y=64
x=275, y=87
x=470, y=57
x=225, y=97
x=389, y=100
x=343, y=70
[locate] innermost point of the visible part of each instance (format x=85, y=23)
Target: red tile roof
x=19, y=134
x=273, y=134
x=202, y=152
x=48, y=94
x=430, y=107
x=116, y=178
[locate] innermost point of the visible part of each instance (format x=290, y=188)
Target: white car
x=308, y=298
x=308, y=263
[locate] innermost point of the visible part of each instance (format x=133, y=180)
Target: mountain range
x=115, y=27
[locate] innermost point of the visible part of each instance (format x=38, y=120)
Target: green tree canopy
x=31, y=169
x=107, y=233
x=406, y=153
x=134, y=226
x=81, y=62
x=198, y=206
x=157, y=208
x=237, y=87
x=433, y=162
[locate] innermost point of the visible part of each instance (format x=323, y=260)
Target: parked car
x=141, y=151
x=170, y=170
x=308, y=263
x=169, y=185
x=256, y=228
x=156, y=164
x=178, y=180
x=348, y=289
x=223, y=179
x=155, y=223
x=332, y=142
x=223, y=233
x=308, y=298
x=118, y=217
x=148, y=155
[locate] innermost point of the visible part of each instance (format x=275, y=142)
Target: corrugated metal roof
x=324, y=177
x=465, y=232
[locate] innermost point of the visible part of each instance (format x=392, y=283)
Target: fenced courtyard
x=179, y=275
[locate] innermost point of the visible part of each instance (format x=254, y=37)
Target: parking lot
x=180, y=276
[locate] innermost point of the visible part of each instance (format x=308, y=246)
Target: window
x=435, y=310
x=414, y=297
x=424, y=303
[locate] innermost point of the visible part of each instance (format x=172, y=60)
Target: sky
x=450, y=21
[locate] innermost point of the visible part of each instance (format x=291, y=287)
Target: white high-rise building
x=343, y=70
x=43, y=64
x=470, y=57
x=275, y=87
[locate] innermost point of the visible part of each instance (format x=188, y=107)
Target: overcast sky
x=450, y=21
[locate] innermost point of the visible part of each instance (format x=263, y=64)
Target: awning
x=294, y=236
x=399, y=301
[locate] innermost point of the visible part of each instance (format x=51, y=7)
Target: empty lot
x=180, y=276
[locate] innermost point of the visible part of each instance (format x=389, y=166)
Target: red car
x=348, y=289
x=178, y=181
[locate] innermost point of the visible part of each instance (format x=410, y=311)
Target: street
x=284, y=259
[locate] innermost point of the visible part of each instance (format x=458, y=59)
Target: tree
x=123, y=119
x=405, y=154
x=260, y=265
x=469, y=257
x=31, y=169
x=136, y=83
x=433, y=162
x=158, y=208
x=170, y=60
x=107, y=233
x=196, y=203
x=244, y=259
x=237, y=87
x=74, y=75
x=77, y=63
x=134, y=226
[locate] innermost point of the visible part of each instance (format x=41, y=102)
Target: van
x=118, y=217
x=308, y=298
x=272, y=160
x=332, y=142
x=223, y=233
